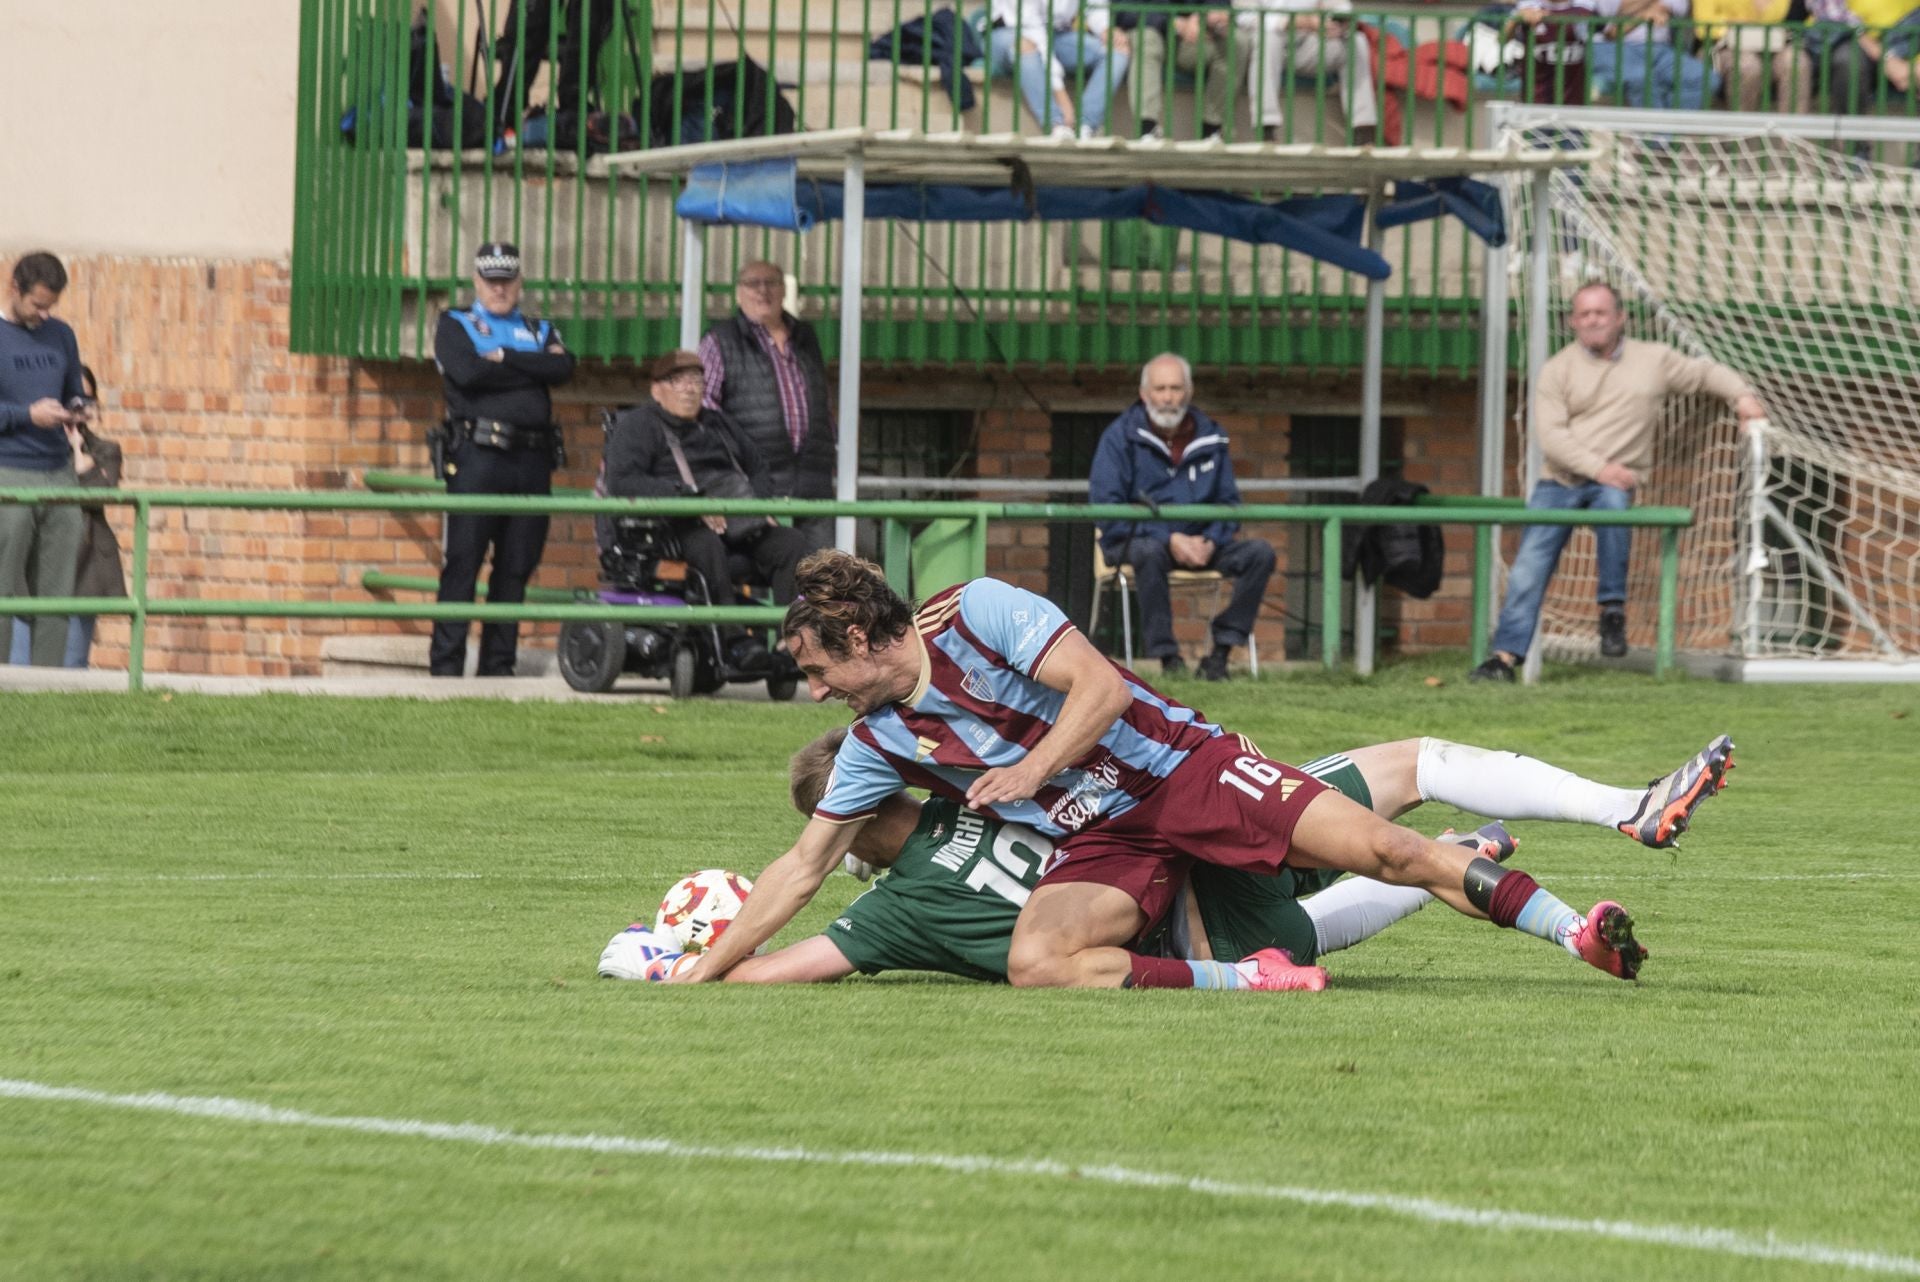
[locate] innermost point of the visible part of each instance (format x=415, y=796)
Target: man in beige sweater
x=1596, y=405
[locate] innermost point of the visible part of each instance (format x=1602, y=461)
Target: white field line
x=1685, y=1237
x=136, y=879
x=144, y=878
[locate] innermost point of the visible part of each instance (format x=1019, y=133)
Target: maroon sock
x=1510, y=895
x=1158, y=972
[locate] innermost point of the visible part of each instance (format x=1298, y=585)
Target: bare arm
x=788, y=885
x=1096, y=698
x=811, y=961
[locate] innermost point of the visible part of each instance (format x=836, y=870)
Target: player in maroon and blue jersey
x=988, y=696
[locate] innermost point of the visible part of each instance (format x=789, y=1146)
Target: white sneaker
x=1061, y=133
x=1088, y=131
x=629, y=953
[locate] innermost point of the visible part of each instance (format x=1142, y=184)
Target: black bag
x=1409, y=557
x=742, y=94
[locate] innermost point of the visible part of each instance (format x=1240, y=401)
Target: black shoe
x=747, y=655
x=1494, y=669
x=1173, y=666
x=1613, y=632
x=1213, y=668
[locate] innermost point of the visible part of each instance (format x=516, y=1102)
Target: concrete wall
x=157, y=130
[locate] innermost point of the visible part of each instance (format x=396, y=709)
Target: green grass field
x=364, y=924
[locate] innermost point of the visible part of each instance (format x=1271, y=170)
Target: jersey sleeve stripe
x=832, y=818
x=1046, y=651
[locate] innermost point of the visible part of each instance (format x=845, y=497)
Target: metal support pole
x=1365, y=599
x=1538, y=261
x=1754, y=565
x=1493, y=431
x=693, y=283
x=853, y=230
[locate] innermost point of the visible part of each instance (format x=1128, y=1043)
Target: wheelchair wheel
x=592, y=655
x=681, y=676
x=781, y=688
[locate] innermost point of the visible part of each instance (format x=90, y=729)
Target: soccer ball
x=700, y=907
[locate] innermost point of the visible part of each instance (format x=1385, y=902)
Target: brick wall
x=200, y=390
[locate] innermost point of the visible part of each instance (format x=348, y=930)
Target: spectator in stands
x=1761, y=66
x=764, y=370
x=40, y=394
x=1555, y=37
x=525, y=36
x=1204, y=45
x=1638, y=61
x=1596, y=406
x=96, y=462
x=1052, y=45
x=673, y=446
x=1313, y=37
x=1852, y=44
x=1164, y=450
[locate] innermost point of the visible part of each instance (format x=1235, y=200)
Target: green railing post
x=896, y=555
x=1330, y=593
x=978, y=549
x=137, y=625
x=1669, y=598
x=1482, y=584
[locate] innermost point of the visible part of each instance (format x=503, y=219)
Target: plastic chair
x=1107, y=576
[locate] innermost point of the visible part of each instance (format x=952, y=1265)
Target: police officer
x=499, y=439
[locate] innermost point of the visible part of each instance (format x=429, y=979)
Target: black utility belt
x=495, y=435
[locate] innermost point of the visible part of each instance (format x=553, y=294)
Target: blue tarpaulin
x=769, y=193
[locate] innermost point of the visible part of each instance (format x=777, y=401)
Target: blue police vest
x=512, y=332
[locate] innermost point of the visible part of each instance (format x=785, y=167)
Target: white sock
x=1506, y=785
x=1358, y=908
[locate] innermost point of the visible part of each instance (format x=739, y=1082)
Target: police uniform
x=501, y=440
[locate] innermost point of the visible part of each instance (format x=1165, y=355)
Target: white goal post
x=1787, y=247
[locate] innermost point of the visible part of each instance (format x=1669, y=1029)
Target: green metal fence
x=896, y=551
x=386, y=221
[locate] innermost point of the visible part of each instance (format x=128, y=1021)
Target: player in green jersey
x=958, y=878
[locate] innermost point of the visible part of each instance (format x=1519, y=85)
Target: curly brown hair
x=839, y=591
x=811, y=769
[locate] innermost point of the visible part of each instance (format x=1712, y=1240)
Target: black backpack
x=742, y=94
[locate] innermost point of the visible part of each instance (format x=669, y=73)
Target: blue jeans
x=1077, y=52
x=1656, y=78
x=1540, y=548
x=79, y=641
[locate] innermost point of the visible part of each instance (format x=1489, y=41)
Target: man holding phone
x=39, y=386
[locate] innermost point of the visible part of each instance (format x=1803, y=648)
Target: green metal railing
x=385, y=228
x=140, y=604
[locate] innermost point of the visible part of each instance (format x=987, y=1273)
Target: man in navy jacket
x=1164, y=451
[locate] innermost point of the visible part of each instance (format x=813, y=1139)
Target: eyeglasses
x=764, y=283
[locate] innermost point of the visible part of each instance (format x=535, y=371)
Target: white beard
x=1166, y=420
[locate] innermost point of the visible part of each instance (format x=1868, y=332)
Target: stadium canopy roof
x=792, y=181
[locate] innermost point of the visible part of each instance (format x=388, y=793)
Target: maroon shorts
x=1227, y=804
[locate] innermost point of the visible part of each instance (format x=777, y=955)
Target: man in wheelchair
x=670, y=447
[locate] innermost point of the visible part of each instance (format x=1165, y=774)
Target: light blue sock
x=1214, y=974
x=1548, y=917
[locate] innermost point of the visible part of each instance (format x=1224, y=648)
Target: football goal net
x=1789, y=249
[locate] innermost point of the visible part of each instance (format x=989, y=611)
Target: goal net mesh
x=1797, y=263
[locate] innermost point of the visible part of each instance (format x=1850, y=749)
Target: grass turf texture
x=392, y=909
